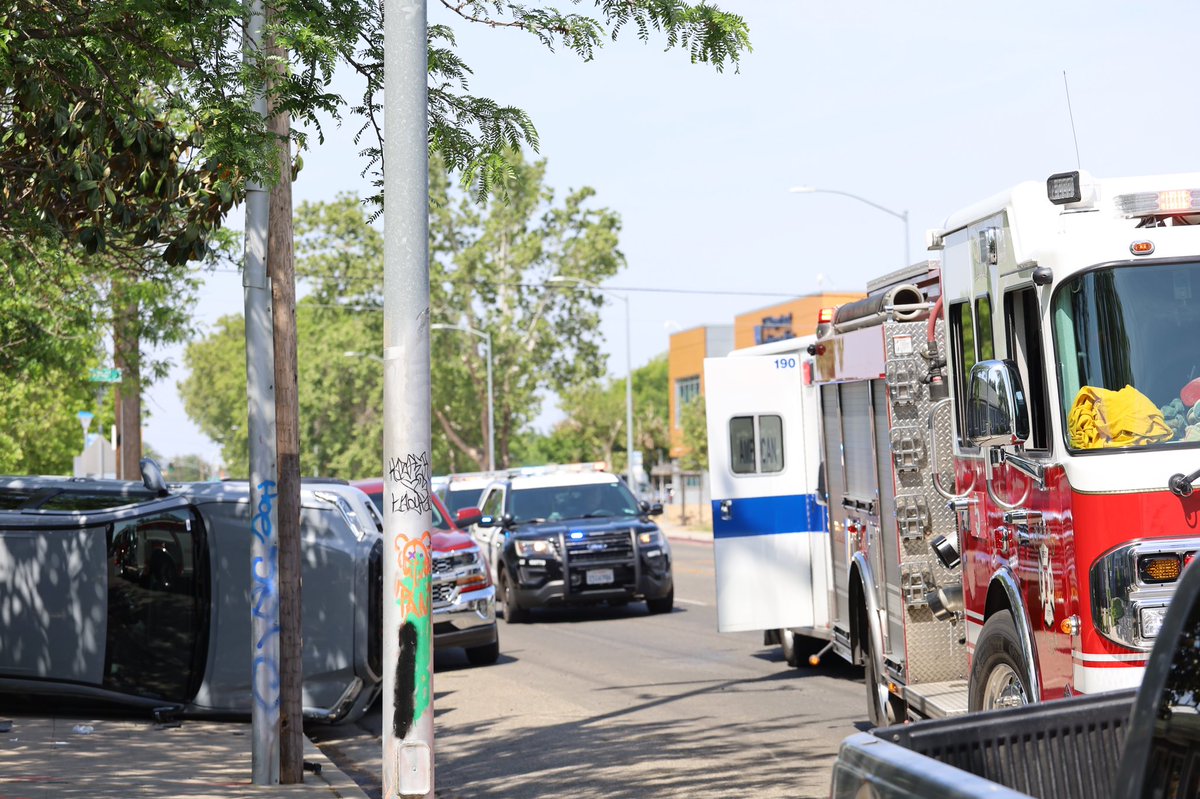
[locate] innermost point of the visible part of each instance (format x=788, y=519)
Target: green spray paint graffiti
x=414, y=560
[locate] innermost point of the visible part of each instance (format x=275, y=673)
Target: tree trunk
x=287, y=441
x=127, y=395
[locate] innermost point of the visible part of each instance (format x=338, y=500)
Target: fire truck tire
x=513, y=612
x=883, y=707
x=998, y=670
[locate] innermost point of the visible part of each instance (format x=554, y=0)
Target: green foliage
x=341, y=397
x=595, y=425
x=41, y=434
x=136, y=118
x=56, y=309
x=694, y=422
x=186, y=469
x=488, y=271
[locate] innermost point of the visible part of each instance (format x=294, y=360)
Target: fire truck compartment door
x=770, y=537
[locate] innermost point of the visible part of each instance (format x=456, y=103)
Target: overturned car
x=139, y=595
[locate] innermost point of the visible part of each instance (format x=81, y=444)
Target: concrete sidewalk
x=47, y=758
x=676, y=531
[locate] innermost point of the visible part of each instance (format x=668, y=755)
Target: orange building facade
x=689, y=348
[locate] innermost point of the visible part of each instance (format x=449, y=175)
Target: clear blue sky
x=922, y=107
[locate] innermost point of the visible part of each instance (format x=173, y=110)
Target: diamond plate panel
x=931, y=652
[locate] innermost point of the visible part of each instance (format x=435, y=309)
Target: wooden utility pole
x=287, y=439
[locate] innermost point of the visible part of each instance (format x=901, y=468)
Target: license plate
x=600, y=577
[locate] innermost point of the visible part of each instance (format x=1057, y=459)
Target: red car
x=464, y=599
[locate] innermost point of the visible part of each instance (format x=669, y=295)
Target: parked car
x=139, y=594
x=464, y=599
x=573, y=537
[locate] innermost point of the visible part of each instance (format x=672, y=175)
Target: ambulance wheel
x=787, y=640
x=998, y=669
x=883, y=707
x=798, y=648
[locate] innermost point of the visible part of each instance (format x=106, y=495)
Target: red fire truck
x=1009, y=435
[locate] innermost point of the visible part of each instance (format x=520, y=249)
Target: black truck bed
x=1055, y=750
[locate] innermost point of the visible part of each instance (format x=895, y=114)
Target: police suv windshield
x=588, y=501
x=1128, y=361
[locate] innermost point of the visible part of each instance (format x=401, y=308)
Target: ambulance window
x=962, y=355
x=770, y=433
x=1024, y=335
x=756, y=444
x=741, y=444
x=983, y=329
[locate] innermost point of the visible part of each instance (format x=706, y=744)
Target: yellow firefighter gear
x=1125, y=418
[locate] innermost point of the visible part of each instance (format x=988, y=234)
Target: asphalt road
x=613, y=702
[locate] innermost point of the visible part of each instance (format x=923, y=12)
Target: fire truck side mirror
x=996, y=411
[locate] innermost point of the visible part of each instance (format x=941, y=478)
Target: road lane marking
x=691, y=602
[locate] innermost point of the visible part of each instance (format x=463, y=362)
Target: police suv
x=572, y=536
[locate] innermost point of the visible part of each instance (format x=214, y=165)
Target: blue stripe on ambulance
x=796, y=513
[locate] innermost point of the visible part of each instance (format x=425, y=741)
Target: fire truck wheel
x=998, y=670
x=883, y=707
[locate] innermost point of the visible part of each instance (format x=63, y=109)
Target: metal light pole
x=407, y=565
x=563, y=280
x=487, y=342
x=901, y=215
x=264, y=527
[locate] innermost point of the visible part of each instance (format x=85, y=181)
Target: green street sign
x=104, y=376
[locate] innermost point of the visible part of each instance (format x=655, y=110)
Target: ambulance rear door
x=770, y=536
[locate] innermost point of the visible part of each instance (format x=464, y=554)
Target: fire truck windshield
x=1128, y=361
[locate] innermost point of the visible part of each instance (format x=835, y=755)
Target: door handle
x=726, y=509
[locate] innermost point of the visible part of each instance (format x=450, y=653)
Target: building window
x=686, y=390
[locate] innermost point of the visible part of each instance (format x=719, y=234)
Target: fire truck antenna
x=1071, y=114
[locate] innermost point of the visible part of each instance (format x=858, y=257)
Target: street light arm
x=811, y=190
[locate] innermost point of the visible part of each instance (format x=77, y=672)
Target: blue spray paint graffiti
x=264, y=605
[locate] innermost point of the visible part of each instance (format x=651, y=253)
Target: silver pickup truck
x=1143, y=743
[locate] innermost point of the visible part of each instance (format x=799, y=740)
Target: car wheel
x=484, y=655
x=662, y=604
x=998, y=670
x=513, y=612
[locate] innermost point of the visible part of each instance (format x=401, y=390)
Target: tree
x=595, y=425
x=694, y=422
x=340, y=397
x=134, y=117
x=54, y=315
x=489, y=270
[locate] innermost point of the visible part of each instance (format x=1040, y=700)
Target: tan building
x=789, y=319
x=685, y=370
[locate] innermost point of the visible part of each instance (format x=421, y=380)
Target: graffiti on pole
x=409, y=483
x=264, y=604
x=414, y=559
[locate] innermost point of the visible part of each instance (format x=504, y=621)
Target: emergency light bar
x=1153, y=203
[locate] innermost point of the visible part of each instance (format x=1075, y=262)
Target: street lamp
x=563, y=280
x=487, y=342
x=901, y=215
